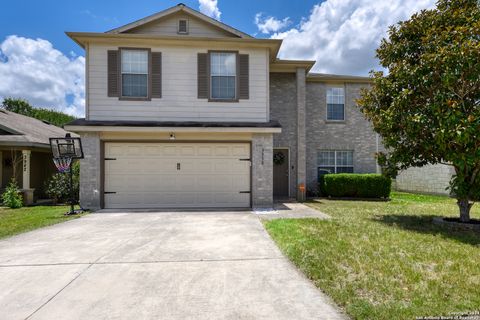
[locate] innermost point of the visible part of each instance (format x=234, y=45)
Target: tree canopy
x=21, y=106
x=426, y=108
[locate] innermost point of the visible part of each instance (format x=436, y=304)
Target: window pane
x=325, y=170
x=135, y=61
x=335, y=112
x=223, y=64
x=223, y=87
x=344, y=169
x=344, y=158
x=335, y=104
x=134, y=85
x=326, y=158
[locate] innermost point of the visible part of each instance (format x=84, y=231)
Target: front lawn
x=386, y=260
x=14, y=221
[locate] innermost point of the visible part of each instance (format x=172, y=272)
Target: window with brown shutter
x=134, y=74
x=113, y=73
x=156, y=70
x=243, y=76
x=202, y=76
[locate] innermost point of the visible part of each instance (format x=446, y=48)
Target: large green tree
x=427, y=107
x=23, y=107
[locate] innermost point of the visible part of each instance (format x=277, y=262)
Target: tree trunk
x=464, y=205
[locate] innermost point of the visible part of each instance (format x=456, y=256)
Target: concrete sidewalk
x=155, y=265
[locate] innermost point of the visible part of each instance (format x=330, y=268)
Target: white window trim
x=335, y=157
x=344, y=87
x=187, y=26
x=234, y=99
x=122, y=73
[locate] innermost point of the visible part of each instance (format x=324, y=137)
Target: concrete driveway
x=154, y=265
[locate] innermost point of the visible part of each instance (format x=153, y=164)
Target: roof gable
x=165, y=23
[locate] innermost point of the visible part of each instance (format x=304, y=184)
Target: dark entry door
x=280, y=173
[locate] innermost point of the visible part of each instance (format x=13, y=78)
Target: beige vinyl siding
x=179, y=100
x=169, y=26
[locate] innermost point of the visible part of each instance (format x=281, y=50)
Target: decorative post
x=26, y=155
x=1, y=168
x=27, y=191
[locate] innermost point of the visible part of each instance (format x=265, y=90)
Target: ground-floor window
x=334, y=161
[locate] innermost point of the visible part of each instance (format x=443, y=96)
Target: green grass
x=386, y=260
x=15, y=221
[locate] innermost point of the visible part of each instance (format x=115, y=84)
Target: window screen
x=223, y=72
x=334, y=161
x=182, y=26
x=134, y=73
x=335, y=103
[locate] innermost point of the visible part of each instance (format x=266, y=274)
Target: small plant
x=12, y=197
x=58, y=186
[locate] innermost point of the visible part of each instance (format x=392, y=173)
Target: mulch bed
x=454, y=223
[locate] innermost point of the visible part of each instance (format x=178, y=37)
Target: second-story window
x=223, y=72
x=335, y=103
x=134, y=73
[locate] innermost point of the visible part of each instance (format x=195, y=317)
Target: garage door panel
x=146, y=175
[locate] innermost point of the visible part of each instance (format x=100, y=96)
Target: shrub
x=12, y=197
x=58, y=186
x=356, y=185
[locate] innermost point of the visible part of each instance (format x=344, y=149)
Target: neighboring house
x=24, y=143
x=185, y=111
x=432, y=179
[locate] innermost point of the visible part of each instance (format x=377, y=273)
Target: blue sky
x=38, y=62
x=49, y=19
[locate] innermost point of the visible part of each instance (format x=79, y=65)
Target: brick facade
x=283, y=108
x=355, y=133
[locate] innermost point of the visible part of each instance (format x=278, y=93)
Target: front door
x=280, y=173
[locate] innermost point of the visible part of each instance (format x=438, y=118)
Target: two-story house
x=185, y=111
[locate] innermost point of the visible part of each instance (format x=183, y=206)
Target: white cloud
x=34, y=70
x=270, y=24
x=342, y=35
x=210, y=8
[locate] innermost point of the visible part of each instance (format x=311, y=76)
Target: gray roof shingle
x=26, y=131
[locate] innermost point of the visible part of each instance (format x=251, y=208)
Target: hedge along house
x=185, y=111
x=25, y=153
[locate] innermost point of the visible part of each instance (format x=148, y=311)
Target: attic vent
x=183, y=26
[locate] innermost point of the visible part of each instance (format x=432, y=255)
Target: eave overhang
x=322, y=77
x=290, y=66
x=83, y=38
x=82, y=125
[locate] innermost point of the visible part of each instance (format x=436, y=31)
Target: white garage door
x=177, y=175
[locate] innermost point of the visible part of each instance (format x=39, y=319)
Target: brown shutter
x=156, y=84
x=202, y=75
x=243, y=75
x=113, y=61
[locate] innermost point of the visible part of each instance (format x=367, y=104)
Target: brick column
x=90, y=193
x=262, y=170
x=301, y=134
